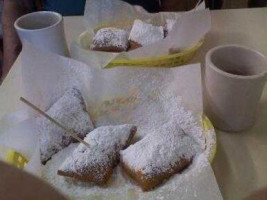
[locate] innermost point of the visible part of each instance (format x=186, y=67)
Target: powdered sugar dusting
x=160, y=150
x=117, y=185
x=169, y=24
x=105, y=143
x=157, y=114
x=145, y=34
x=110, y=37
x=70, y=111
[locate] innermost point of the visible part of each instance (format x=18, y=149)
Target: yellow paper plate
x=173, y=59
x=210, y=135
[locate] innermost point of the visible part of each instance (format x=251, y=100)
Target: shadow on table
x=233, y=166
x=239, y=165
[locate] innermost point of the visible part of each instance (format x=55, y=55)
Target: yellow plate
x=210, y=136
x=170, y=60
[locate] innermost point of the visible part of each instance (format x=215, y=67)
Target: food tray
x=170, y=60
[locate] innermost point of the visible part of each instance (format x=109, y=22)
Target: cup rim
x=213, y=66
x=60, y=18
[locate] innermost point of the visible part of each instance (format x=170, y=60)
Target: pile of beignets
x=149, y=161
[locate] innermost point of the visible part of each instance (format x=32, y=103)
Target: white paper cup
x=44, y=30
x=234, y=79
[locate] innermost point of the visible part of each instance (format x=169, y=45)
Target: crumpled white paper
x=113, y=96
x=189, y=29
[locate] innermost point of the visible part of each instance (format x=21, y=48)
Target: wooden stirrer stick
x=68, y=131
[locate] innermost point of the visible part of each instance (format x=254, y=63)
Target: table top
x=240, y=165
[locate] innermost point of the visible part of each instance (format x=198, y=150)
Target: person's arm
x=11, y=11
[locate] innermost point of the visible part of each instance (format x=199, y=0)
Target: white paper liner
x=115, y=96
x=189, y=29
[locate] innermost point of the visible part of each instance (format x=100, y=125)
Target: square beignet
x=95, y=164
x=70, y=110
x=110, y=40
x=158, y=156
x=143, y=34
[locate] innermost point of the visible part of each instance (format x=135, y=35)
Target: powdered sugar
x=70, y=111
x=150, y=115
x=119, y=185
x=159, y=113
x=110, y=37
x=105, y=143
x=169, y=24
x=159, y=151
x=145, y=34
x=76, y=190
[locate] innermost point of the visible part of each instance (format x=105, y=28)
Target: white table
x=240, y=165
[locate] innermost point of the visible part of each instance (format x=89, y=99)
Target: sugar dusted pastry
x=110, y=40
x=96, y=163
x=143, y=34
x=69, y=110
x=158, y=156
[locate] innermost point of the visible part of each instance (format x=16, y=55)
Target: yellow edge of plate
x=16, y=159
x=208, y=126
x=184, y=56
